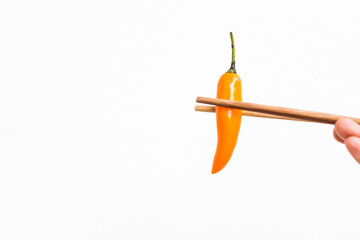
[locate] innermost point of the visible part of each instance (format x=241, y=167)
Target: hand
x=348, y=132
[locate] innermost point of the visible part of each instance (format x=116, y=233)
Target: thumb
x=345, y=128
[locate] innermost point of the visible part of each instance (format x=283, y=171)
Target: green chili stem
x=232, y=67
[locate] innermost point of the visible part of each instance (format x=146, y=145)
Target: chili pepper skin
x=228, y=120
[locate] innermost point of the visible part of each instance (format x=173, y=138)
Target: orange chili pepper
x=228, y=120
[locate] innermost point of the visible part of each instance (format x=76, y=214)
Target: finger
x=346, y=128
x=353, y=146
x=337, y=138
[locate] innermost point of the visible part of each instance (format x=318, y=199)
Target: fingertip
x=341, y=122
x=353, y=145
x=337, y=137
x=345, y=128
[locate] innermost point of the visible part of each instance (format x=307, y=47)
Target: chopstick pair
x=265, y=111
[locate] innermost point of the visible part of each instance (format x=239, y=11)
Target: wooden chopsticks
x=270, y=111
x=212, y=109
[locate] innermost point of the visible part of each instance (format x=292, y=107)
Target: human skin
x=348, y=133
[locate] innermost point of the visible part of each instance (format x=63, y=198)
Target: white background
x=99, y=138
